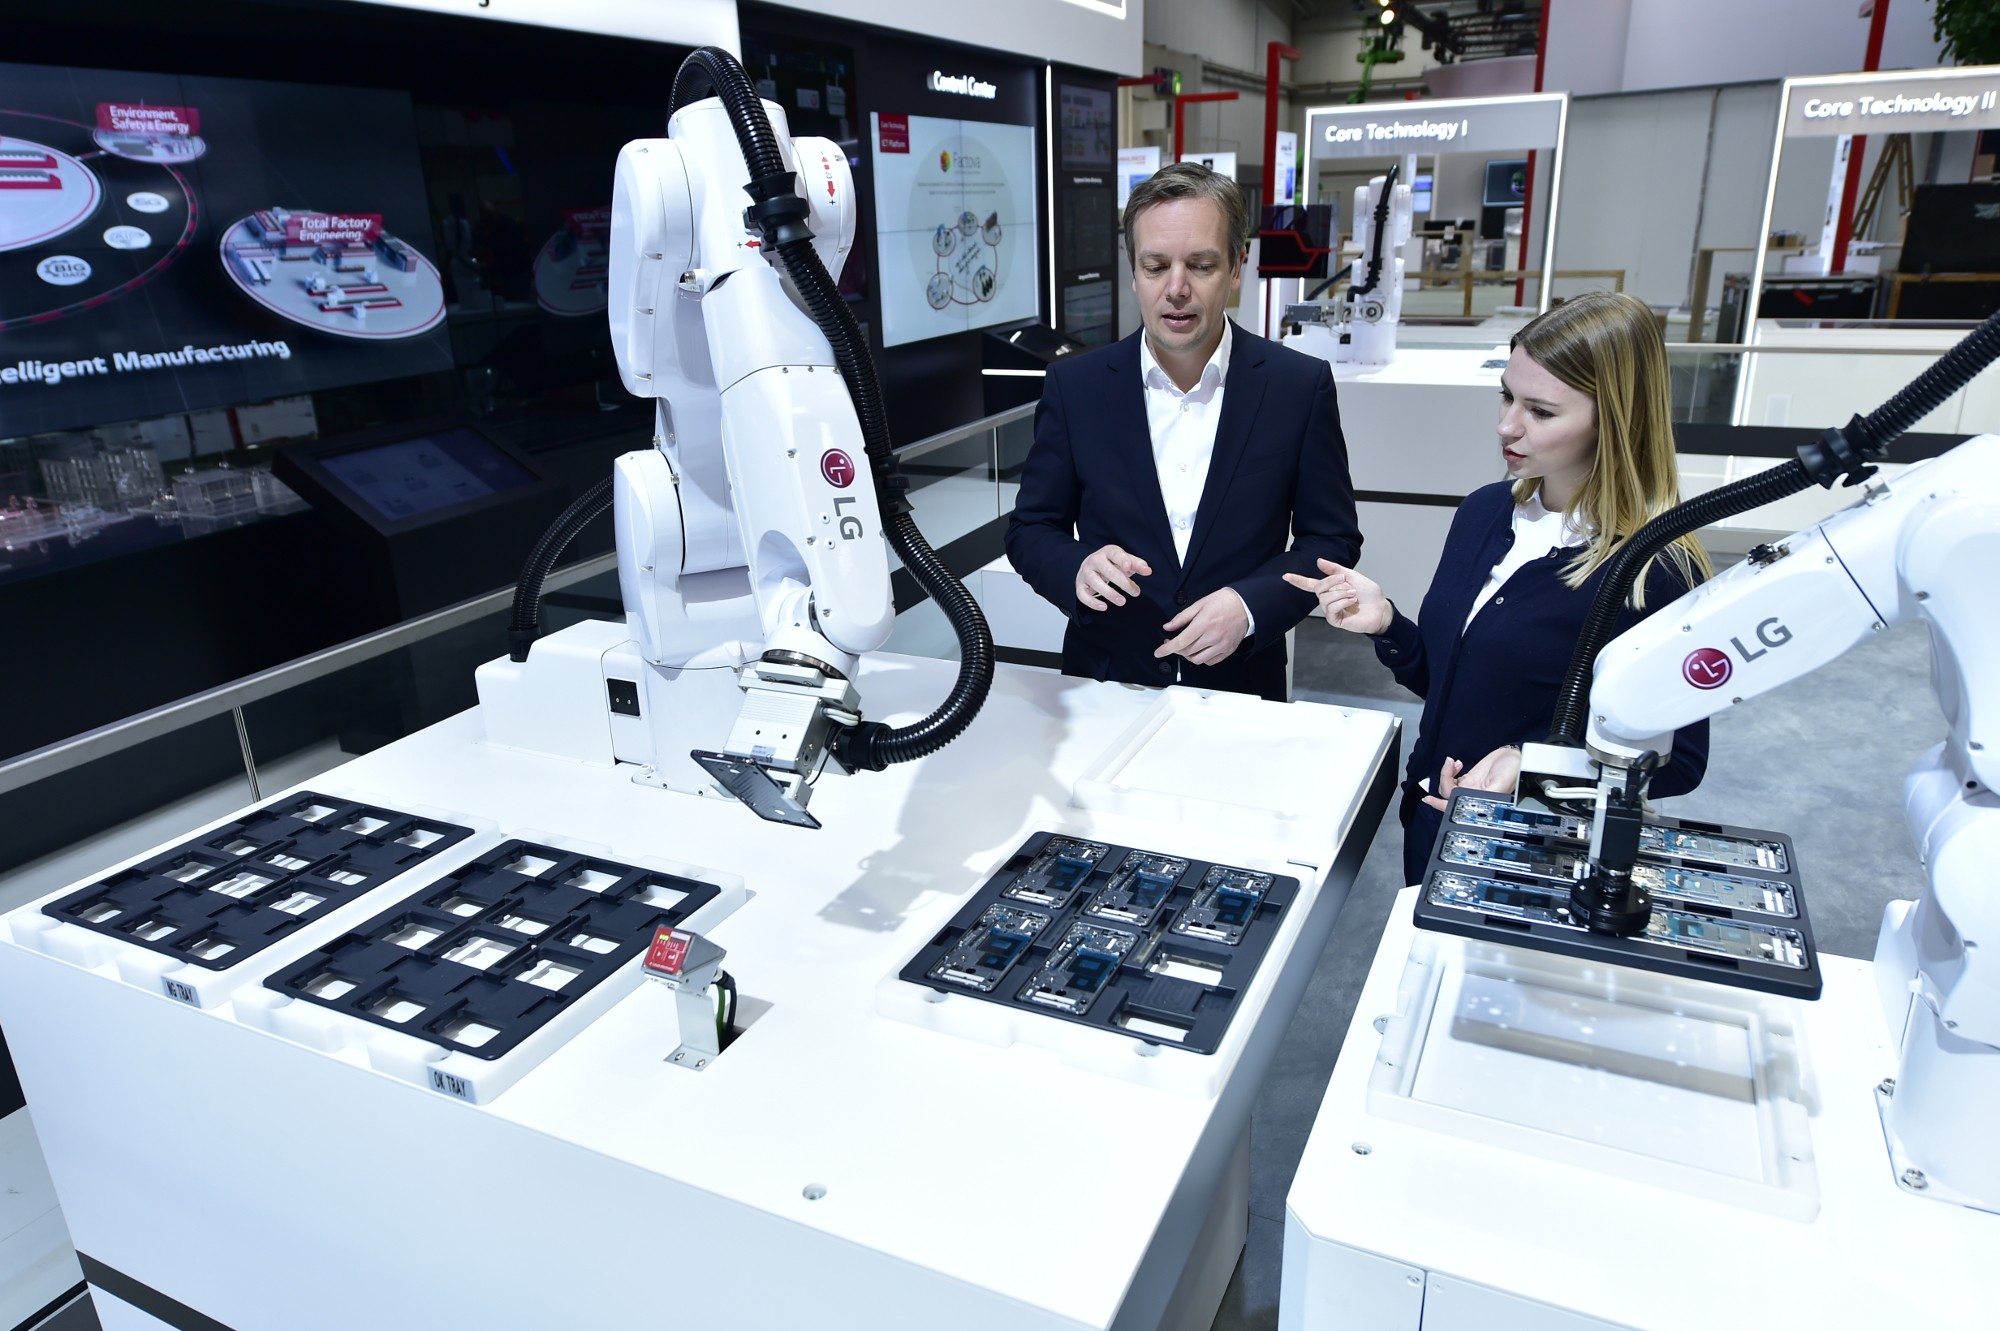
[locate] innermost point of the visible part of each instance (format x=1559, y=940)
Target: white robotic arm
x=1359, y=326
x=1906, y=550
x=753, y=547
x=749, y=539
x=1926, y=546
x=1373, y=302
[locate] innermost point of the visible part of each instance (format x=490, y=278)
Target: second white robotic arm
x=1925, y=546
x=1372, y=305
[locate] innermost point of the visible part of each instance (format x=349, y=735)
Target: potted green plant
x=1969, y=29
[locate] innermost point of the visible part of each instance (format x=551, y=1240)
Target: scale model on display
x=341, y=273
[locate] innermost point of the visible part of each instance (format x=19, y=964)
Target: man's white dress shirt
x=1182, y=426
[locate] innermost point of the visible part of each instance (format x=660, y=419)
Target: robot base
x=1941, y=1146
x=585, y=694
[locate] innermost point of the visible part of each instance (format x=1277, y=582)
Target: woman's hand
x=1350, y=601
x=1498, y=771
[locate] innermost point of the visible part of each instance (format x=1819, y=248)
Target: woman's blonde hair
x=1607, y=345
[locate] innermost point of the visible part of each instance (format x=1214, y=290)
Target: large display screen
x=170, y=243
x=955, y=221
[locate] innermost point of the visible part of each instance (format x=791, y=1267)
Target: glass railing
x=962, y=487
x=1817, y=373
x=1742, y=408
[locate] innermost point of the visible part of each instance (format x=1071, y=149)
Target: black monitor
x=1506, y=183
x=396, y=481
x=410, y=478
x=430, y=513
x=1953, y=229
x=1295, y=239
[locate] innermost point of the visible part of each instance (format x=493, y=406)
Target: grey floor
x=1822, y=760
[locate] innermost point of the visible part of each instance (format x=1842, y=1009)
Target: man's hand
x=1107, y=577
x=1209, y=630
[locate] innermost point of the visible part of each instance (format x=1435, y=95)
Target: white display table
x=858, y=1157
x=1451, y=1220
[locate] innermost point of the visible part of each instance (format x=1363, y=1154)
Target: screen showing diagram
x=412, y=477
x=170, y=243
x=1089, y=136
x=955, y=213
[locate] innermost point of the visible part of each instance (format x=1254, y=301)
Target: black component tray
x=494, y=950
x=1524, y=909
x=219, y=899
x=1152, y=983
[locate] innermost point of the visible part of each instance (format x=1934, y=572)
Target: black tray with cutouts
x=219, y=899
x=1141, y=943
x=495, y=949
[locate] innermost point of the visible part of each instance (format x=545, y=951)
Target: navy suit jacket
x=1494, y=681
x=1278, y=498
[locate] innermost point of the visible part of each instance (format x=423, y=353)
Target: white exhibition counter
x=867, y=1153
x=1514, y=1141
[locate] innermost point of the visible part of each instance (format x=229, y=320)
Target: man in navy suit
x=1176, y=475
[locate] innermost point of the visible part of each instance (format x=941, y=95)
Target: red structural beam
x=1181, y=99
x=1843, y=233
x=1528, y=184
x=1273, y=54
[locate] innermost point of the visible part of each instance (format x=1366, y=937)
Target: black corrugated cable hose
x=779, y=210
x=1382, y=206
x=526, y=623
x=1841, y=452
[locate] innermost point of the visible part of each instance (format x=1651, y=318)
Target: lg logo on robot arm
x=837, y=468
x=1710, y=667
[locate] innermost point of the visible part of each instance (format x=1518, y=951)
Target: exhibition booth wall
x=475, y=157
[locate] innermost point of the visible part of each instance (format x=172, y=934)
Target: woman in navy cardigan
x=1587, y=438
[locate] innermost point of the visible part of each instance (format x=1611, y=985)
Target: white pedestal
x=1395, y=1226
